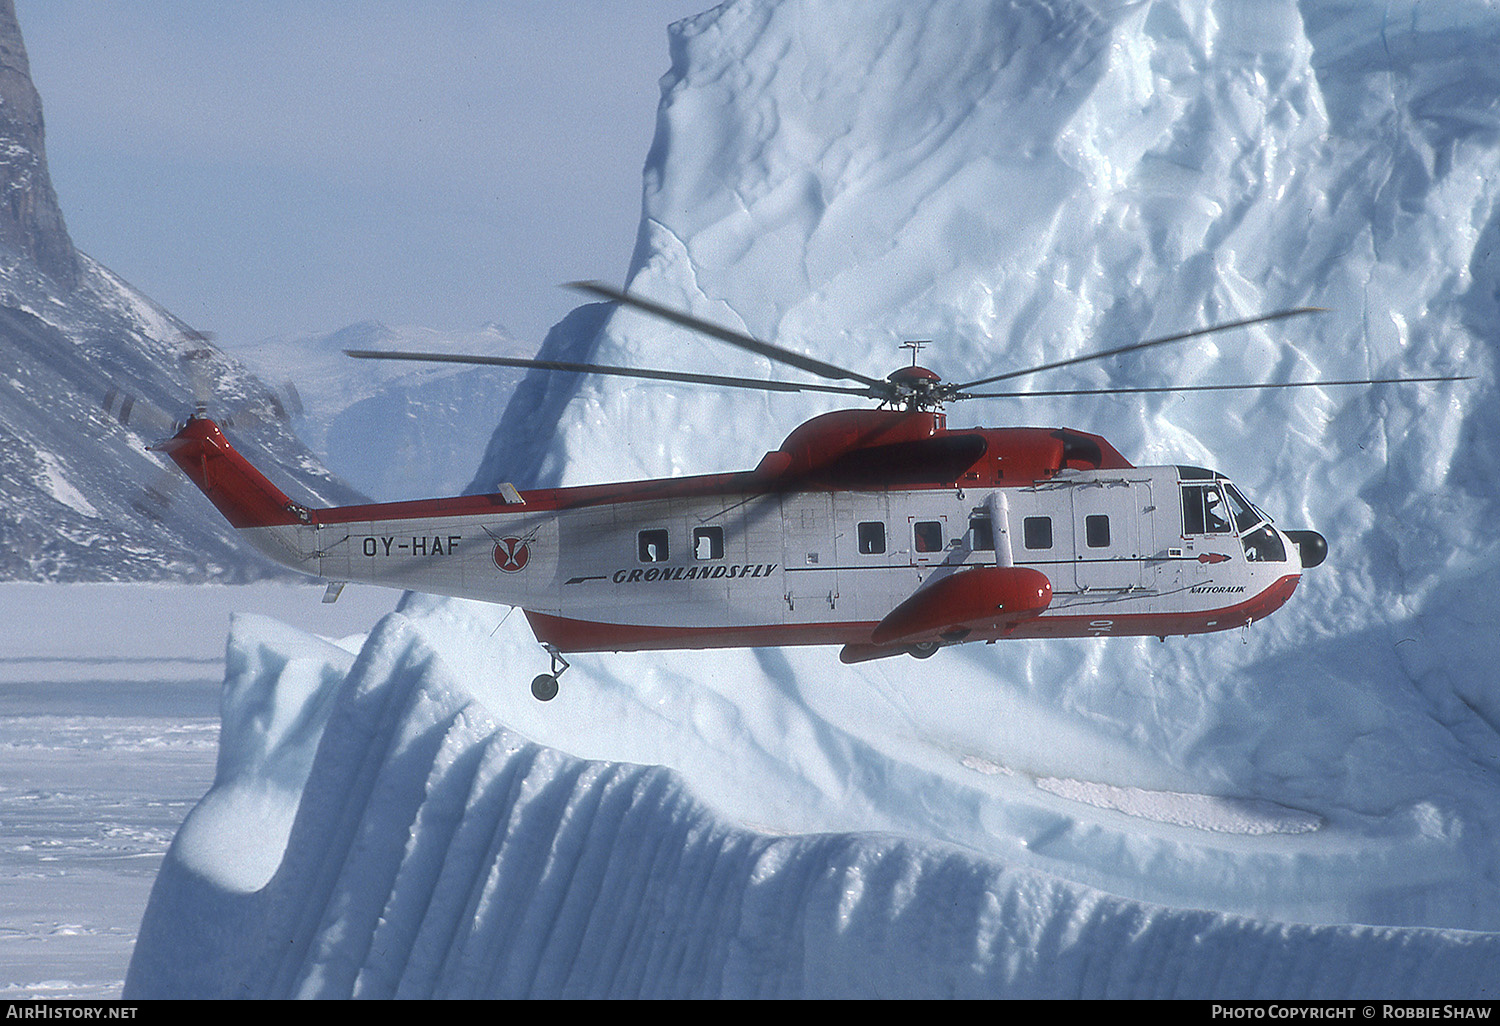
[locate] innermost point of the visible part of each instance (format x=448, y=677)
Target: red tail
x=239, y=491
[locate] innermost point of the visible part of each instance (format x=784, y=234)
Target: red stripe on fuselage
x=809, y=460
x=571, y=635
x=547, y=500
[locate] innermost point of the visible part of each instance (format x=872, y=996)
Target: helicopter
x=883, y=531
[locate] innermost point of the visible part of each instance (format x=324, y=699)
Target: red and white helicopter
x=880, y=530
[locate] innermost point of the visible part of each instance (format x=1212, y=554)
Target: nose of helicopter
x=1311, y=546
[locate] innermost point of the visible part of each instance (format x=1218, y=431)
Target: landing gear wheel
x=925, y=649
x=544, y=685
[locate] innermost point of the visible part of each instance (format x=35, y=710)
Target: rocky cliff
x=31, y=223
x=81, y=498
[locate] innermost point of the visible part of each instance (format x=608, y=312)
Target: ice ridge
x=437, y=854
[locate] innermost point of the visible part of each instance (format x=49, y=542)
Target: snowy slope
x=1019, y=183
x=81, y=498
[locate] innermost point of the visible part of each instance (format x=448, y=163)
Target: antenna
x=916, y=346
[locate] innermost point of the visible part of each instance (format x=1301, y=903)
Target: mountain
x=31, y=223
x=395, y=430
x=1306, y=808
x=80, y=497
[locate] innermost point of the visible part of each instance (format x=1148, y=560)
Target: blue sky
x=286, y=167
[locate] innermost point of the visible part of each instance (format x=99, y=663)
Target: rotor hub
x=916, y=388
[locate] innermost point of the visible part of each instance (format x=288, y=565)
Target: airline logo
x=512, y=555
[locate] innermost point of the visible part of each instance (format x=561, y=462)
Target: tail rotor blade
x=197, y=362
x=133, y=412
x=155, y=500
x=292, y=404
x=276, y=406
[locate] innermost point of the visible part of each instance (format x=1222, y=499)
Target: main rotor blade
x=596, y=368
x=1205, y=388
x=1182, y=336
x=734, y=338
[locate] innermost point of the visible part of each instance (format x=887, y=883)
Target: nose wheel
x=544, y=685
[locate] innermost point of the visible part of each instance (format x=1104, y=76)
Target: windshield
x=1244, y=512
x=1262, y=543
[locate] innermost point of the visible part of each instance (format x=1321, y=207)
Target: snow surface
x=1309, y=807
x=109, y=729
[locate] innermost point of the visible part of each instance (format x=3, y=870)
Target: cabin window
x=1096, y=531
x=1036, y=532
x=651, y=546
x=981, y=534
x=1203, y=510
x=927, y=535
x=708, y=543
x=871, y=538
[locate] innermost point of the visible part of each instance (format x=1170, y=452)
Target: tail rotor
x=207, y=371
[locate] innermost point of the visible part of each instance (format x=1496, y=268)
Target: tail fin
x=238, y=490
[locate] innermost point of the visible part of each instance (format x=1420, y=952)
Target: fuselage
x=736, y=568
x=856, y=513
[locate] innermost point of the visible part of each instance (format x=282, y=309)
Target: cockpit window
x=1264, y=546
x=1203, y=510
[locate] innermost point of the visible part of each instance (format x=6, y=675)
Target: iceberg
x=413, y=848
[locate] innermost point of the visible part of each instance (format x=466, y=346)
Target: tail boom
x=239, y=491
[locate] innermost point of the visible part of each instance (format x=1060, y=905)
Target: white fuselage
x=1127, y=551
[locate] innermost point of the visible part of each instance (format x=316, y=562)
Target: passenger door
x=809, y=556
x=1107, y=521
